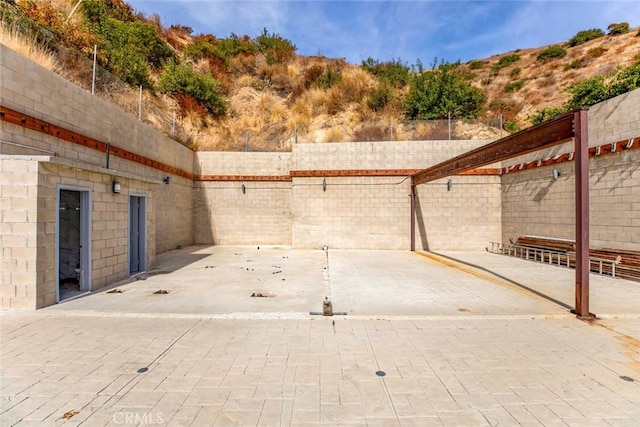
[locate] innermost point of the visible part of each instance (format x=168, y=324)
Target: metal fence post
x=93, y=76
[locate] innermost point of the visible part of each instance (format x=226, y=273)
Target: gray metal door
x=136, y=234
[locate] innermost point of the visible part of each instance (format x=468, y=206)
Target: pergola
x=569, y=126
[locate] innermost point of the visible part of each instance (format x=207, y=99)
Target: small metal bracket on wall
x=324, y=184
x=449, y=184
x=244, y=189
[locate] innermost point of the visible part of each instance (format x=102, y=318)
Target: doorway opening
x=73, y=239
x=137, y=234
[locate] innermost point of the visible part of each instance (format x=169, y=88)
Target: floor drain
x=626, y=378
x=142, y=370
x=260, y=295
x=161, y=292
x=381, y=373
x=115, y=291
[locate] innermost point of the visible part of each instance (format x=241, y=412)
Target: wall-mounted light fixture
x=555, y=174
x=449, y=184
x=244, y=189
x=116, y=187
x=324, y=184
x=166, y=180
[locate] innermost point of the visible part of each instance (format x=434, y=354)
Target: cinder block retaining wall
x=358, y=211
x=343, y=195
x=533, y=203
x=35, y=160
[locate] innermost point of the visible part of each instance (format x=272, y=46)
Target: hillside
x=239, y=93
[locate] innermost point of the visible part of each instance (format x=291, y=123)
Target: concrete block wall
x=616, y=119
x=534, y=204
x=232, y=163
x=354, y=212
x=378, y=155
x=174, y=203
x=35, y=91
x=19, y=231
x=224, y=215
x=109, y=225
x=465, y=217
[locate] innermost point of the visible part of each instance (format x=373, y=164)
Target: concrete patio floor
x=463, y=339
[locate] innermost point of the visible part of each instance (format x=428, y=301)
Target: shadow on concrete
x=170, y=261
x=506, y=279
x=422, y=230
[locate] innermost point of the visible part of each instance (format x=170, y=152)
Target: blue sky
x=406, y=30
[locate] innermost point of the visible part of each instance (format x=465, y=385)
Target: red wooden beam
x=526, y=141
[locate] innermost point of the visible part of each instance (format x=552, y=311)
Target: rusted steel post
x=582, y=212
x=413, y=216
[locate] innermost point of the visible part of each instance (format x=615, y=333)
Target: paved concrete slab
x=424, y=343
x=220, y=280
x=607, y=296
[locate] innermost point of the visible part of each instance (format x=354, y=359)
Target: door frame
x=142, y=228
x=85, y=237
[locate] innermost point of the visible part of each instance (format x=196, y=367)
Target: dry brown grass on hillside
x=28, y=47
x=544, y=81
x=321, y=99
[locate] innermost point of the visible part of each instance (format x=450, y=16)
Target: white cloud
x=405, y=30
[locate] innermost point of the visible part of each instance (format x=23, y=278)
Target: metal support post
x=95, y=60
x=582, y=213
x=412, y=195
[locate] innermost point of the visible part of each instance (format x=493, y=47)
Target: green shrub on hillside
x=511, y=126
x=587, y=92
x=576, y=63
x=183, y=79
x=547, y=114
x=476, y=65
x=207, y=46
x=328, y=78
x=619, y=28
x=442, y=91
x=626, y=81
x=380, y=98
x=394, y=72
x=555, y=51
x=127, y=48
x=584, y=36
x=274, y=47
x=513, y=86
x=505, y=61
x=594, y=90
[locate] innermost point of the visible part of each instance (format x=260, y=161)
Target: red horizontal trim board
x=352, y=173
x=246, y=178
x=614, y=147
x=28, y=122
